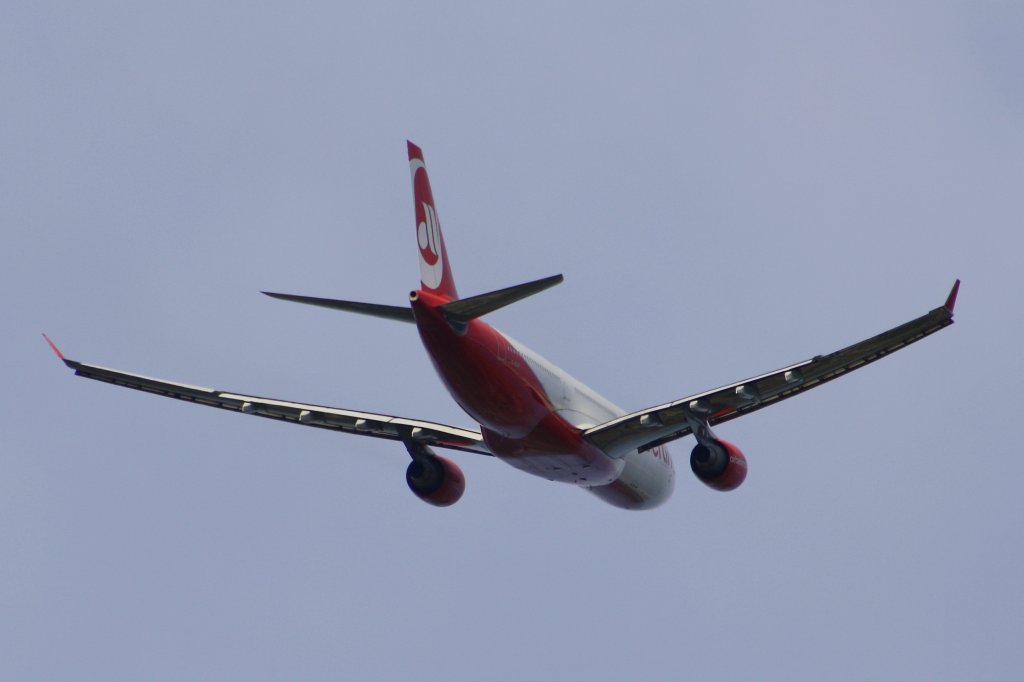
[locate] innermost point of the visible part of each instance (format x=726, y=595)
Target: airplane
x=531, y=414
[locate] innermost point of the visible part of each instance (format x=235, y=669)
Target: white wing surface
x=336, y=419
x=656, y=425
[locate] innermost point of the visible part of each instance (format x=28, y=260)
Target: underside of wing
x=657, y=425
x=336, y=419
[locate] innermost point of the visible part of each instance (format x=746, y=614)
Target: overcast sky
x=727, y=188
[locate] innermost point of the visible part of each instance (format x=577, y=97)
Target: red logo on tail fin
x=429, y=233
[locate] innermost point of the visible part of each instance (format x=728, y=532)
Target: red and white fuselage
x=531, y=413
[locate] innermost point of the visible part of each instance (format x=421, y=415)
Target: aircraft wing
x=656, y=425
x=348, y=421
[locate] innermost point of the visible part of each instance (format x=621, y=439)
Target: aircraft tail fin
x=435, y=270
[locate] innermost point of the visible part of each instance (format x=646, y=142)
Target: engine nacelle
x=435, y=480
x=722, y=466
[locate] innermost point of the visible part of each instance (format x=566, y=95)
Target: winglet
x=951, y=299
x=54, y=347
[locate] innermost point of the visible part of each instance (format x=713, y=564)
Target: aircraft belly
x=563, y=468
x=555, y=451
x=646, y=481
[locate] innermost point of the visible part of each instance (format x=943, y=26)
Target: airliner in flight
x=531, y=414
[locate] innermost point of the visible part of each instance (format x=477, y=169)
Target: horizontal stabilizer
x=473, y=307
x=390, y=312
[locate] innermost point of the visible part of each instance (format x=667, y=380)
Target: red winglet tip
x=54, y=347
x=414, y=151
x=951, y=299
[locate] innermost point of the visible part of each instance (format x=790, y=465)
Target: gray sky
x=726, y=189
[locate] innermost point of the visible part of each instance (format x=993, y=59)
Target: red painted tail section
x=435, y=271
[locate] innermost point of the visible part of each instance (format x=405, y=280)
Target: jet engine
x=435, y=480
x=719, y=465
